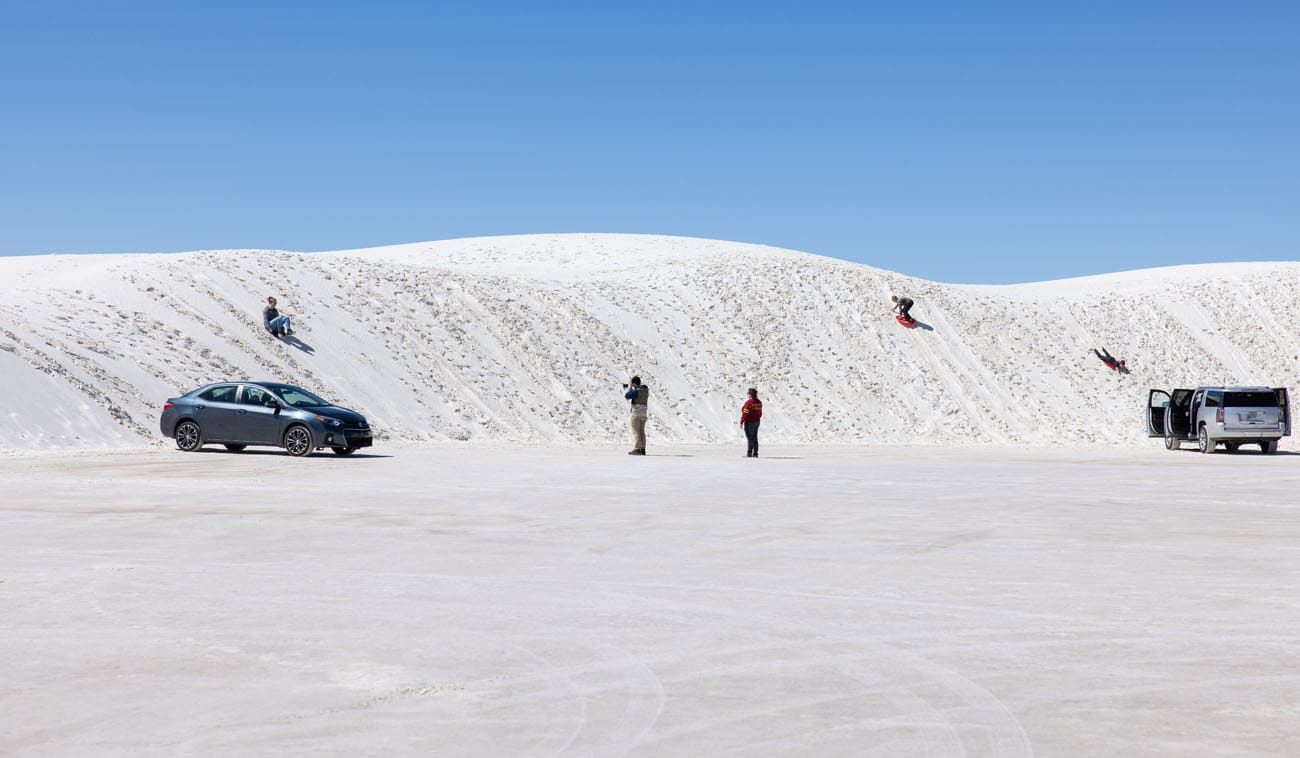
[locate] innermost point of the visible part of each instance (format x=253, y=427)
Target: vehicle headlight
x=327, y=421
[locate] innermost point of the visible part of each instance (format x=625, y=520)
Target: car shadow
x=282, y=453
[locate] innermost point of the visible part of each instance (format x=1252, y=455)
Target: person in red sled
x=902, y=306
x=1111, y=361
x=750, y=414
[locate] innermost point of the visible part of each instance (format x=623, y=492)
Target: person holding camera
x=639, y=394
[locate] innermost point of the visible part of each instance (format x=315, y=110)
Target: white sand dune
x=526, y=339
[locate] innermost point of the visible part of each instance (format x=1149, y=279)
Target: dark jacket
x=269, y=314
x=640, y=397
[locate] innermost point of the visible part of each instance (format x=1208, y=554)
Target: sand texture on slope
x=526, y=339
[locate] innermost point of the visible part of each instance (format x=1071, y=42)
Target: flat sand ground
x=471, y=601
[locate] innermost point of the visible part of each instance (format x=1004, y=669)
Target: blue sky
x=969, y=142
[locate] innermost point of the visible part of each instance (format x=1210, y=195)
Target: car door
x=1284, y=407
x=1177, y=417
x=1194, y=411
x=258, y=418
x=215, y=411
x=1157, y=409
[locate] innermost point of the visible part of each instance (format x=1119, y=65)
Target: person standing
x=639, y=394
x=751, y=413
x=275, y=323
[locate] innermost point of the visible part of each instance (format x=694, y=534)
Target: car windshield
x=296, y=397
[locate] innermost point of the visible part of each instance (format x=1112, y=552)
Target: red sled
x=909, y=323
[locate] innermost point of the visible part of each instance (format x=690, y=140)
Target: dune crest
x=526, y=340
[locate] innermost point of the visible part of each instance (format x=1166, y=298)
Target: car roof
x=1238, y=389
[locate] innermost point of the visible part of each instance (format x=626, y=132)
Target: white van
x=1211, y=416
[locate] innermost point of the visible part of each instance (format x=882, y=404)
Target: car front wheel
x=189, y=437
x=298, y=441
x=1203, y=441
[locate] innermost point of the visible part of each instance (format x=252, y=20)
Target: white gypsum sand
x=525, y=340
x=466, y=600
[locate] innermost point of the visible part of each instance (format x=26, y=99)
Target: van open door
x=1178, y=416
x=1157, y=407
x=1284, y=408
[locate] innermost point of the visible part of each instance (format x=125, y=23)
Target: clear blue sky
x=960, y=141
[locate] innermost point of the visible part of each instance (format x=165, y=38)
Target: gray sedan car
x=239, y=414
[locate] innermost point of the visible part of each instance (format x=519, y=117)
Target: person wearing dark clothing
x=751, y=413
x=639, y=394
x=903, y=306
x=1110, y=360
x=275, y=323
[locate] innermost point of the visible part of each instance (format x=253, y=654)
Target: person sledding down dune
x=903, y=306
x=1111, y=361
x=275, y=323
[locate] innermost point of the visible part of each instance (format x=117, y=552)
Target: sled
x=908, y=323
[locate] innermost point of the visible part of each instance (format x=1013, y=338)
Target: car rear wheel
x=1203, y=441
x=344, y=450
x=235, y=448
x=189, y=437
x=298, y=441
x=1171, y=443
x=1268, y=446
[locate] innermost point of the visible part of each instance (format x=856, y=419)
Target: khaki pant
x=638, y=433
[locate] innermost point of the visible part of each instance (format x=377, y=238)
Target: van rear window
x=1249, y=400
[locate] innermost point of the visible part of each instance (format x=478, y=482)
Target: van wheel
x=1268, y=447
x=1203, y=441
x=1171, y=443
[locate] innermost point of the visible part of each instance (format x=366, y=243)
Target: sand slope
x=526, y=339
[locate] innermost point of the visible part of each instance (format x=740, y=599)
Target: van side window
x=1212, y=399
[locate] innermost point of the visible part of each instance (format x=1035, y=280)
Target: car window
x=224, y=393
x=255, y=396
x=298, y=397
x=1212, y=400
x=1250, y=400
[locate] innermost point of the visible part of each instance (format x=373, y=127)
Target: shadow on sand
x=293, y=341
x=279, y=452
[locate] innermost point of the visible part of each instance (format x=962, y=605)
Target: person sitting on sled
x=275, y=323
x=1110, y=360
x=902, y=306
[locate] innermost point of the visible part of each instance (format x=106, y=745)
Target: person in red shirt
x=750, y=414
